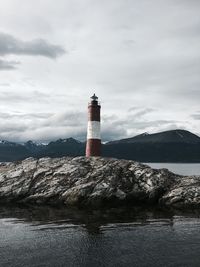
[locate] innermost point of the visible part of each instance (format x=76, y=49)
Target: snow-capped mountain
x=34, y=146
x=169, y=146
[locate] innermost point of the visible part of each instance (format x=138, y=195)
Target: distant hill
x=169, y=146
x=34, y=147
x=10, y=151
x=63, y=147
x=173, y=136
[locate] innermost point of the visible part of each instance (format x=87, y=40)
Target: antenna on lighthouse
x=93, y=147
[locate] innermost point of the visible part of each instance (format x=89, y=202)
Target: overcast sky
x=141, y=57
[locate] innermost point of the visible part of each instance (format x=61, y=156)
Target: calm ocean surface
x=53, y=237
x=179, y=168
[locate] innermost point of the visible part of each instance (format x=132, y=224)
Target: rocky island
x=95, y=182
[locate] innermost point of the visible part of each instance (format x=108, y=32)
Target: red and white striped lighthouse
x=93, y=147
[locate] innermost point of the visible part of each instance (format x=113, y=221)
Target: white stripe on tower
x=94, y=130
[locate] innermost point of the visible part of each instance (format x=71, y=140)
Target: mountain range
x=169, y=146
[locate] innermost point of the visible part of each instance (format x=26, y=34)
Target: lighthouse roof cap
x=94, y=97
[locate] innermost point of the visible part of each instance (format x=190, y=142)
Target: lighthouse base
x=93, y=148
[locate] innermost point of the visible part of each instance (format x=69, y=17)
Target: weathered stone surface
x=184, y=193
x=94, y=182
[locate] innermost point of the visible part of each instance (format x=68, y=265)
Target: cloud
x=141, y=113
x=196, y=116
x=134, y=122
x=111, y=134
x=47, y=126
x=142, y=58
x=15, y=97
x=5, y=84
x=8, y=65
x=43, y=126
x=9, y=45
x=25, y=116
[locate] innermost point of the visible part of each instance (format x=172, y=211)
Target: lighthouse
x=93, y=147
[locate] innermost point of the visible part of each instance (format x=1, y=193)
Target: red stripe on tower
x=93, y=147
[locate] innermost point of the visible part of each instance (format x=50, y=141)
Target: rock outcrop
x=94, y=182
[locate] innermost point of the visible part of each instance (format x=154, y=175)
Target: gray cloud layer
x=196, y=116
x=8, y=65
x=44, y=126
x=15, y=97
x=10, y=45
x=142, y=58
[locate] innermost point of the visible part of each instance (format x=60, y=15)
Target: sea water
x=53, y=237
x=179, y=168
